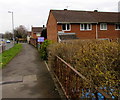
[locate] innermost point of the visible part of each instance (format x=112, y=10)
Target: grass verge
x=8, y=55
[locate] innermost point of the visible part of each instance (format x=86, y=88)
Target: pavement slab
x=29, y=78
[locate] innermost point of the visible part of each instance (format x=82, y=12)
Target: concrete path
x=26, y=76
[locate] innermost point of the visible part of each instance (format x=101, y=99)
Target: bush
x=43, y=49
x=97, y=60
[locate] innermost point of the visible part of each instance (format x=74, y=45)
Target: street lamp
x=12, y=25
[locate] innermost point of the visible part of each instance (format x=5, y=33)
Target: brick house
x=36, y=32
x=70, y=24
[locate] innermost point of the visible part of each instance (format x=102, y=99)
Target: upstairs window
x=85, y=27
x=103, y=26
x=117, y=27
x=38, y=34
x=66, y=27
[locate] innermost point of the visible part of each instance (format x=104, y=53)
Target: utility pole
x=12, y=26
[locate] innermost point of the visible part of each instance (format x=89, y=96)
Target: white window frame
x=38, y=34
x=66, y=27
x=84, y=27
x=103, y=26
x=117, y=28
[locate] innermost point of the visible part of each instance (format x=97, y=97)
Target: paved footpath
x=26, y=76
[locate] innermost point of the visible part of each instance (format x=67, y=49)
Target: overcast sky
x=35, y=12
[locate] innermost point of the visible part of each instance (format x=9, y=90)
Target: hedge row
x=97, y=60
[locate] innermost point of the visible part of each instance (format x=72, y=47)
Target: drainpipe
x=96, y=31
x=59, y=40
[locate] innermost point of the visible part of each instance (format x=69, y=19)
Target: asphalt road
x=26, y=76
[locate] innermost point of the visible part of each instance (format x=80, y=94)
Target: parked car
x=8, y=41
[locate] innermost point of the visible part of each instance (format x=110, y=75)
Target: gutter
x=74, y=22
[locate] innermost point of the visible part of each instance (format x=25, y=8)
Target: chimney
x=65, y=9
x=43, y=26
x=95, y=10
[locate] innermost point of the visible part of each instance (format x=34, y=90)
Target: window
x=38, y=34
x=103, y=26
x=117, y=26
x=66, y=27
x=85, y=27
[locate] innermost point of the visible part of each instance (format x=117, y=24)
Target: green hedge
x=43, y=49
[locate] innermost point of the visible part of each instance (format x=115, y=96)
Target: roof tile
x=73, y=16
x=37, y=29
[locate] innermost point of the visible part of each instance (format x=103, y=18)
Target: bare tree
x=20, y=32
x=8, y=35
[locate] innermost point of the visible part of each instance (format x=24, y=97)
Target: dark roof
x=73, y=16
x=37, y=29
x=67, y=37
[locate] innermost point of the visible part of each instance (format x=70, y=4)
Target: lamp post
x=12, y=25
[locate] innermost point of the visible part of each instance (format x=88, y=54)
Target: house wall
x=52, y=28
x=110, y=33
x=75, y=28
x=34, y=35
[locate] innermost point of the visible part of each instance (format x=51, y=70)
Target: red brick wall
x=52, y=28
x=110, y=33
x=34, y=35
x=75, y=28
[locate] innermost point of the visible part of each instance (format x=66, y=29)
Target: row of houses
x=72, y=24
